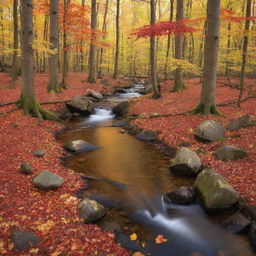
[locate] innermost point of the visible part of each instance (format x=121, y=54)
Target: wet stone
x=252, y=236
x=147, y=135
x=182, y=195
x=80, y=146
x=236, y=223
x=24, y=240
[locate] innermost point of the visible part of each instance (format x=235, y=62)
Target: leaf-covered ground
x=179, y=129
x=51, y=215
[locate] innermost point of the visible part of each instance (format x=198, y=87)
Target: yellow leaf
x=34, y=250
x=133, y=237
x=160, y=239
x=73, y=247
x=56, y=253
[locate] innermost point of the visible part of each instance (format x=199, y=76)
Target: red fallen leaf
x=160, y=239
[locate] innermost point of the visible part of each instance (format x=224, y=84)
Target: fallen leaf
x=160, y=239
x=133, y=237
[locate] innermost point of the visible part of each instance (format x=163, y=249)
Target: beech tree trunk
x=168, y=41
x=28, y=100
x=91, y=76
x=245, y=47
x=207, y=103
x=117, y=39
x=156, y=92
x=54, y=45
x=15, y=41
x=65, y=44
x=178, y=77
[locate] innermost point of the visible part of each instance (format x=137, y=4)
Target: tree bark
x=28, y=100
x=168, y=41
x=54, y=45
x=207, y=103
x=117, y=39
x=15, y=41
x=156, y=92
x=178, y=77
x=65, y=44
x=91, y=64
x=245, y=47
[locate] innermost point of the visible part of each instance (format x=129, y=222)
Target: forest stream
x=129, y=177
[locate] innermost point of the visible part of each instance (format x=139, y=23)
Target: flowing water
x=129, y=177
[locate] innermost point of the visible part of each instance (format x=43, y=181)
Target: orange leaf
x=160, y=239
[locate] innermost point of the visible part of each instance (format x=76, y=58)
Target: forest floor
x=53, y=215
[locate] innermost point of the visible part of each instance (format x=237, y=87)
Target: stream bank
x=129, y=178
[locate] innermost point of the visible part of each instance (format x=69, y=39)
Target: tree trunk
x=91, y=64
x=54, y=45
x=28, y=100
x=104, y=29
x=156, y=93
x=178, y=77
x=207, y=103
x=65, y=44
x=245, y=47
x=117, y=39
x=15, y=41
x=168, y=41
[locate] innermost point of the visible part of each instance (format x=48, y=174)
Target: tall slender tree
x=178, y=79
x=156, y=92
x=54, y=46
x=15, y=41
x=28, y=100
x=104, y=29
x=207, y=103
x=92, y=67
x=117, y=39
x=245, y=48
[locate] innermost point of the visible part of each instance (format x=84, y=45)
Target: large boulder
x=186, y=163
x=90, y=210
x=48, y=180
x=210, y=130
x=23, y=240
x=121, y=108
x=94, y=94
x=147, y=135
x=214, y=191
x=229, y=153
x=242, y=122
x=64, y=113
x=80, y=146
x=80, y=104
x=182, y=195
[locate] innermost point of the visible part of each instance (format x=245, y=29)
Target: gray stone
x=147, y=135
x=48, y=180
x=26, y=168
x=65, y=113
x=80, y=146
x=237, y=223
x=80, y=104
x=23, y=240
x=182, y=195
x=229, y=153
x=39, y=153
x=186, y=162
x=210, y=130
x=252, y=236
x=214, y=191
x=242, y=122
x=90, y=210
x=94, y=94
x=121, y=108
